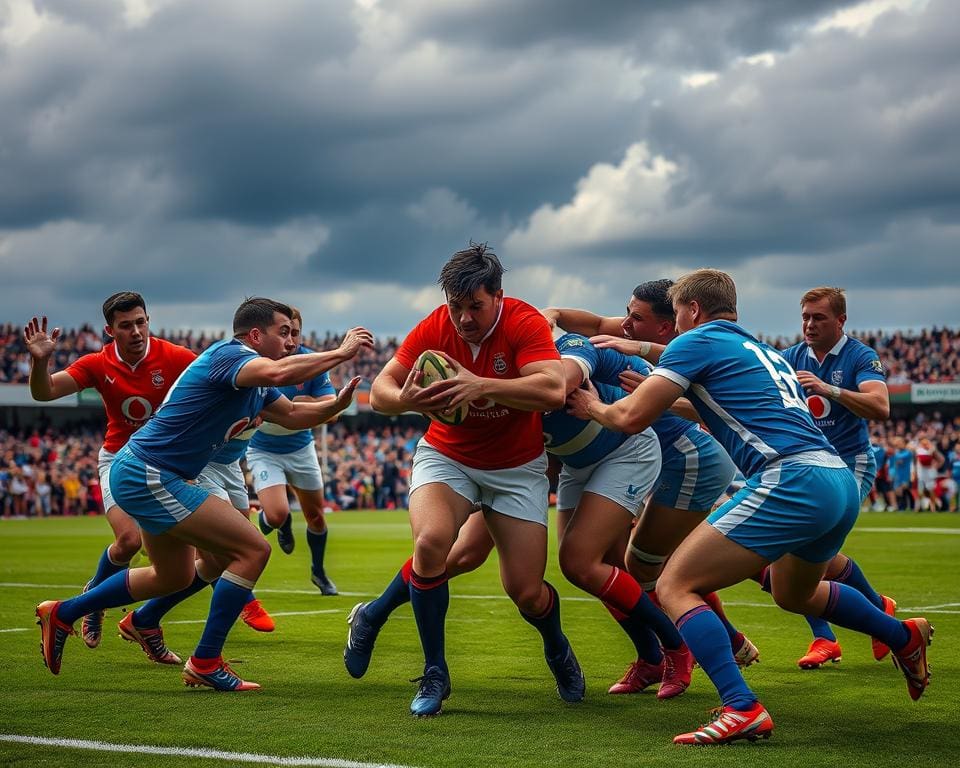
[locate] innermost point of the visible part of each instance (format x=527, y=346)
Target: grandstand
x=48, y=463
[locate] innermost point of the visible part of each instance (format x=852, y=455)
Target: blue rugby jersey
x=202, y=412
x=745, y=392
x=606, y=365
x=276, y=439
x=847, y=365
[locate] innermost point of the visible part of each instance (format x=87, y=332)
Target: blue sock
x=850, y=609
x=430, y=597
x=820, y=628
x=228, y=600
x=643, y=638
x=548, y=625
x=648, y=612
x=110, y=593
x=318, y=544
x=852, y=576
x=396, y=594
x=705, y=636
x=148, y=615
x=105, y=569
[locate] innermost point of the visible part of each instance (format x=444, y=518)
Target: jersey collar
x=834, y=351
x=146, y=352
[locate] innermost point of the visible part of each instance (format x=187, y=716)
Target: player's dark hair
x=257, y=312
x=471, y=269
x=122, y=302
x=654, y=293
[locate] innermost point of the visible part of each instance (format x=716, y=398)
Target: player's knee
x=431, y=549
x=790, y=600
x=465, y=561
x=127, y=545
x=575, y=566
x=528, y=597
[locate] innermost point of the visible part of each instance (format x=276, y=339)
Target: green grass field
x=504, y=710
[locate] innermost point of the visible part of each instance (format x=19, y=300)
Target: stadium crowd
x=54, y=472
x=932, y=355
x=51, y=472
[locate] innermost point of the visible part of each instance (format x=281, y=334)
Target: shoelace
x=430, y=685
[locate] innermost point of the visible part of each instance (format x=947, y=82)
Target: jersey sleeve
x=85, y=370
x=534, y=339
x=226, y=362
x=685, y=359
x=869, y=367
x=271, y=395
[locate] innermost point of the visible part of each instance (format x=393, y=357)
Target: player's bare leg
x=522, y=547
x=275, y=515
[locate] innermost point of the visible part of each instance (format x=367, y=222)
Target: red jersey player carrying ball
x=508, y=369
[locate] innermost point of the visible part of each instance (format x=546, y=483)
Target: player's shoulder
x=573, y=343
x=519, y=310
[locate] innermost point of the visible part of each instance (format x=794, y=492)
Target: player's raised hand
x=39, y=343
x=619, y=343
x=345, y=395
x=578, y=401
x=354, y=340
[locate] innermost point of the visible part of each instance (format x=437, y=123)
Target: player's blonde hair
x=835, y=297
x=712, y=289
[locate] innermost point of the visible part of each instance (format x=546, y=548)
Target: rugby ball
x=436, y=368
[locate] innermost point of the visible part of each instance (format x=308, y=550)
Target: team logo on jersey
x=877, y=366
x=264, y=474
x=819, y=406
x=156, y=378
x=836, y=378
x=136, y=409
x=109, y=379
x=499, y=363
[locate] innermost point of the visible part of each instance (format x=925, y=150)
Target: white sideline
x=208, y=754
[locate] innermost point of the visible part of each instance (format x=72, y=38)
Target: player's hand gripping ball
x=435, y=368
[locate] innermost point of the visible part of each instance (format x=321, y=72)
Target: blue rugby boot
x=433, y=691
x=566, y=669
x=361, y=636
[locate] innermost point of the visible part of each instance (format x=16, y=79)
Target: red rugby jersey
x=131, y=393
x=493, y=436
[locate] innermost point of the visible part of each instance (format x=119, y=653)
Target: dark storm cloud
x=217, y=149
x=689, y=33
x=843, y=149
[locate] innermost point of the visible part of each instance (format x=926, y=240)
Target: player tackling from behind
x=797, y=506
x=214, y=400
x=508, y=370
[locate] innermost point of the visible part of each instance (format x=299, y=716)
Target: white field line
x=208, y=754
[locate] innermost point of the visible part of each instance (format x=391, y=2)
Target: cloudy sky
x=334, y=154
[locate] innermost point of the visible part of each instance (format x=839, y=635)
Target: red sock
x=621, y=590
